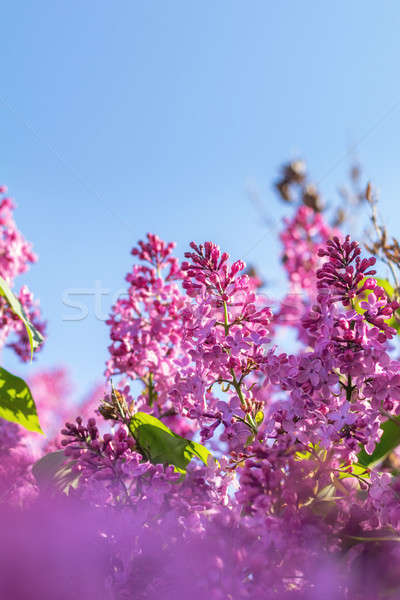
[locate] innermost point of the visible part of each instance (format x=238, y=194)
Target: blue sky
x=127, y=117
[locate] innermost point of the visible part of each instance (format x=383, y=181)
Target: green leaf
x=389, y=441
x=315, y=452
x=163, y=446
x=53, y=472
x=354, y=470
x=303, y=455
x=259, y=417
x=386, y=285
x=17, y=403
x=392, y=322
x=35, y=337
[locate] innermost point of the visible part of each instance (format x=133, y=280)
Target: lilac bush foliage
x=300, y=496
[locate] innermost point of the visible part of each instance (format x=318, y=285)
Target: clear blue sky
x=119, y=118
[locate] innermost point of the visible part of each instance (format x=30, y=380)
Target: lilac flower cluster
x=289, y=499
x=291, y=425
x=16, y=255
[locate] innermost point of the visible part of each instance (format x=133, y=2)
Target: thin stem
x=349, y=388
x=238, y=389
x=226, y=322
x=151, y=389
x=374, y=539
x=389, y=416
x=379, y=230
